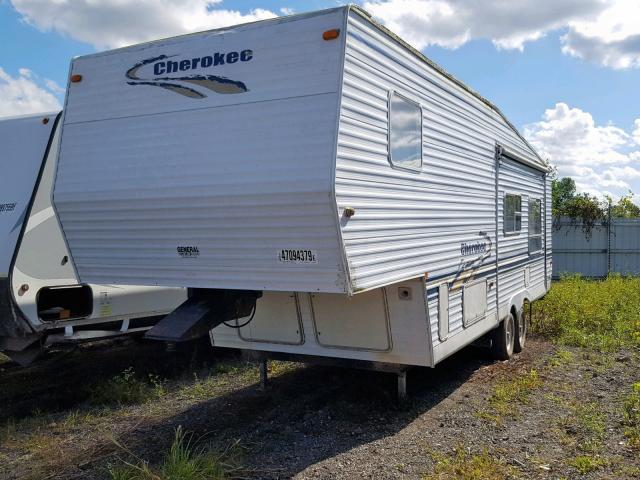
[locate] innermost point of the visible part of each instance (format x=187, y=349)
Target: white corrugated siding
x=144, y=170
x=409, y=223
x=518, y=179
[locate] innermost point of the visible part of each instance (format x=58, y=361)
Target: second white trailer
x=321, y=186
x=42, y=303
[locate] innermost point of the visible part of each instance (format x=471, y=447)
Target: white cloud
x=602, y=31
x=22, y=95
x=602, y=159
x=53, y=86
x=115, y=23
x=636, y=131
x=611, y=38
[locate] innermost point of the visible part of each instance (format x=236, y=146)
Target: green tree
x=562, y=191
x=625, y=208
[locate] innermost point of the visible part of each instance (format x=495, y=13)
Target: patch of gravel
x=329, y=423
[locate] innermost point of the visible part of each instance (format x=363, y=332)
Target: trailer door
x=23, y=144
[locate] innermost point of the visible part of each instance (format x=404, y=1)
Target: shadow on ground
x=310, y=414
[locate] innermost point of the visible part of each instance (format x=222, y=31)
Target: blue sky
x=565, y=72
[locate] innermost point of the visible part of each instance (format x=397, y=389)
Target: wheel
x=503, y=339
x=521, y=332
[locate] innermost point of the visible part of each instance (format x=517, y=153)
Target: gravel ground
x=327, y=423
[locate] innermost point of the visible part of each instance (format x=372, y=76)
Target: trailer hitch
x=204, y=310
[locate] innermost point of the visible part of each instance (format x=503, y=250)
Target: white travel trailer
x=322, y=187
x=41, y=300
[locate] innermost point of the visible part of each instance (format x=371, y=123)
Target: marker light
x=331, y=34
x=76, y=78
x=45, y=120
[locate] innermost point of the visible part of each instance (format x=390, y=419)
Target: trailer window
x=512, y=213
x=535, y=225
x=405, y=133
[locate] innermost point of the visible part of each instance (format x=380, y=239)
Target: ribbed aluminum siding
x=144, y=170
x=519, y=179
x=405, y=223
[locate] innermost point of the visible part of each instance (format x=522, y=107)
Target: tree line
x=567, y=202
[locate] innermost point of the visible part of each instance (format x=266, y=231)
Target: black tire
x=521, y=332
x=503, y=339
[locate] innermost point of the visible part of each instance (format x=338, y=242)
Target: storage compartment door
x=276, y=320
x=474, y=302
x=358, y=322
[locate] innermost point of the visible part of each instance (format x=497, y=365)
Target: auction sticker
x=293, y=255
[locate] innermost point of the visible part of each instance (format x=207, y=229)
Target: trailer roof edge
x=367, y=16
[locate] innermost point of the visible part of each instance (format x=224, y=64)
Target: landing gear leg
x=263, y=375
x=402, y=386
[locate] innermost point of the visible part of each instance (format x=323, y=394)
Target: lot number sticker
x=290, y=255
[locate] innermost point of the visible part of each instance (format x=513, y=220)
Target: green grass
x=126, y=388
x=183, y=461
x=464, y=465
x=587, y=463
x=586, y=425
x=597, y=314
x=509, y=394
x=561, y=358
x=631, y=410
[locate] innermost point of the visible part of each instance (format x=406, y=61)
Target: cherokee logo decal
x=186, y=85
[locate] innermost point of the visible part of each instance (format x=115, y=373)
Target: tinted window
x=405, y=137
x=535, y=225
x=512, y=213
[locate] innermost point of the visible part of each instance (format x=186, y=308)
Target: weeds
x=127, y=389
x=561, y=358
x=597, y=314
x=183, y=461
x=464, y=465
x=586, y=426
x=223, y=374
x=587, y=463
x=631, y=410
x=507, y=395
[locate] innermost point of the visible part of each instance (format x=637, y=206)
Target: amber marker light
x=75, y=78
x=331, y=34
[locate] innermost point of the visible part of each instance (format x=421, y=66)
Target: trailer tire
x=520, y=331
x=503, y=339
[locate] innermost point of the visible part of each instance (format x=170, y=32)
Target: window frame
x=389, y=149
x=516, y=214
x=534, y=235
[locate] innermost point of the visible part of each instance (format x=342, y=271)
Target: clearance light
x=76, y=78
x=45, y=120
x=331, y=34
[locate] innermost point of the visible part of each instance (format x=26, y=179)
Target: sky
x=565, y=72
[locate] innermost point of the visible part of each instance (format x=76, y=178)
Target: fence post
x=609, y=239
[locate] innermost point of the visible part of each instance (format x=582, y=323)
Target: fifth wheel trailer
x=41, y=300
x=320, y=186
